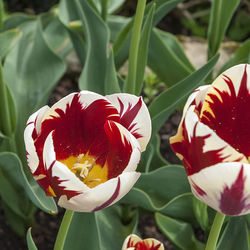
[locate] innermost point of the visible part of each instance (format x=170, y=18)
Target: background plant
x=33, y=51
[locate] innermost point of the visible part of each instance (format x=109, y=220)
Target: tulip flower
x=133, y=242
x=213, y=142
x=84, y=150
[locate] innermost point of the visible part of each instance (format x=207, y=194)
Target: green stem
x=215, y=231
x=134, y=46
x=61, y=236
x=104, y=4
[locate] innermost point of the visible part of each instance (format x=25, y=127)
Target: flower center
x=85, y=168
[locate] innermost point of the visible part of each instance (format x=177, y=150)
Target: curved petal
x=224, y=187
x=130, y=241
x=102, y=195
x=134, y=116
x=226, y=107
x=62, y=180
x=199, y=147
x=30, y=134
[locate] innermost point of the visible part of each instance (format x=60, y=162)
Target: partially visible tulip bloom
x=213, y=141
x=133, y=242
x=86, y=147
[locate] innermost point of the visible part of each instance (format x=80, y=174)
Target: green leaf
x=113, y=5
x=152, y=158
x=31, y=71
x=14, y=187
x=166, y=102
x=167, y=59
x=220, y=16
x=97, y=37
x=111, y=80
x=8, y=39
x=143, y=51
x=15, y=20
x=241, y=55
x=235, y=235
x=102, y=230
x=30, y=242
x=201, y=213
x=180, y=233
x=154, y=192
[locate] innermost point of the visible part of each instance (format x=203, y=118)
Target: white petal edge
x=213, y=180
x=142, y=119
x=97, y=196
x=32, y=158
x=70, y=180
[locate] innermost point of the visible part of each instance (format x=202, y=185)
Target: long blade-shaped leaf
x=165, y=103
x=30, y=242
x=220, y=16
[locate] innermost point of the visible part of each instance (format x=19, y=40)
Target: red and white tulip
x=213, y=141
x=86, y=147
x=133, y=242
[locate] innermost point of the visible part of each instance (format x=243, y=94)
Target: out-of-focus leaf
x=152, y=158
x=180, y=233
x=167, y=59
x=116, y=24
x=14, y=20
x=105, y=225
x=165, y=103
x=17, y=223
x=113, y=5
x=111, y=81
x=201, y=213
x=235, y=235
x=14, y=187
x=31, y=71
x=30, y=242
x=220, y=16
x=7, y=40
x=143, y=51
x=57, y=37
x=154, y=192
x=241, y=55
x=121, y=46
x=97, y=36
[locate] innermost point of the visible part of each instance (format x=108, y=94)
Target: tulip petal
x=224, y=187
x=226, y=108
x=130, y=241
x=199, y=147
x=62, y=180
x=124, y=150
x=30, y=134
x=134, y=116
x=98, y=196
x=86, y=113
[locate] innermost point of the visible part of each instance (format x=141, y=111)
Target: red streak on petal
x=231, y=120
x=112, y=198
x=199, y=191
x=143, y=245
x=59, y=189
x=119, y=152
x=232, y=201
x=194, y=157
x=129, y=115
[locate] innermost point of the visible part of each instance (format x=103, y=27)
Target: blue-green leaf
x=30, y=242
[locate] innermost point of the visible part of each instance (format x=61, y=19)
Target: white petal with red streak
x=32, y=157
x=134, y=238
x=214, y=179
x=70, y=181
x=142, y=119
x=97, y=196
x=213, y=142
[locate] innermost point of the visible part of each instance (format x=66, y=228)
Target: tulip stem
x=215, y=231
x=134, y=46
x=62, y=233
